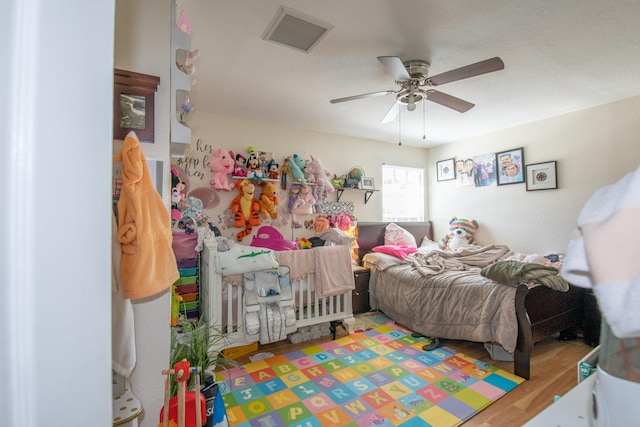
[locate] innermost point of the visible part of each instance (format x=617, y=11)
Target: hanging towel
x=603, y=253
x=334, y=274
x=123, y=340
x=148, y=264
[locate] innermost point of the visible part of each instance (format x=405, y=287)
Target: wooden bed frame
x=540, y=311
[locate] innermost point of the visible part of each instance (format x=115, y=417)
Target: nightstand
x=360, y=295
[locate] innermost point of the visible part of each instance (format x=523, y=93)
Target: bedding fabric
x=442, y=294
x=514, y=273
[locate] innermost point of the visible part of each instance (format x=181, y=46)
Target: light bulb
x=411, y=106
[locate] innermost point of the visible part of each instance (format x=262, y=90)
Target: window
x=402, y=193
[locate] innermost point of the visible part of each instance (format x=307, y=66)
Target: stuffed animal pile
x=461, y=235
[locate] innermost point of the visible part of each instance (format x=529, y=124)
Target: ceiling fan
x=416, y=85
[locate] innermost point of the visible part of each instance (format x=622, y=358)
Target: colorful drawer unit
x=186, y=272
x=187, y=262
x=187, y=289
x=188, y=280
x=187, y=306
x=193, y=296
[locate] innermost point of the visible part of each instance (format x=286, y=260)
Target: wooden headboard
x=371, y=234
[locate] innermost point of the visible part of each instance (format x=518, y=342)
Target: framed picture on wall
x=133, y=104
x=510, y=165
x=445, y=170
x=367, y=183
x=542, y=176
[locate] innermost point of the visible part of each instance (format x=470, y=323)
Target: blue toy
x=296, y=165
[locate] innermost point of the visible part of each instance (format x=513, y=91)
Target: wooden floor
x=553, y=373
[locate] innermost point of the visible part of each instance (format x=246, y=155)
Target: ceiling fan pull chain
x=424, y=126
x=399, y=126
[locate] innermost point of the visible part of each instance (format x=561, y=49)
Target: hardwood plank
x=553, y=372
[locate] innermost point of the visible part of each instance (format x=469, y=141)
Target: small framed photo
x=366, y=183
x=542, y=176
x=133, y=104
x=446, y=170
x=510, y=165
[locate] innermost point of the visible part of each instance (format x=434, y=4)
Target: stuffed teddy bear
x=322, y=176
x=245, y=208
x=462, y=230
x=221, y=164
x=268, y=200
x=296, y=166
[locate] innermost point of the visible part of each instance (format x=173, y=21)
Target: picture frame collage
x=501, y=168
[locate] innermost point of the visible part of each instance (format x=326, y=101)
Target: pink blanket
x=334, y=274
x=301, y=263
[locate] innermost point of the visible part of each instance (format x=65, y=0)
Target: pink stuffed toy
x=306, y=194
x=221, y=164
x=322, y=176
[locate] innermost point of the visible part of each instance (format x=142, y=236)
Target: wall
x=142, y=40
x=593, y=148
x=55, y=245
x=337, y=153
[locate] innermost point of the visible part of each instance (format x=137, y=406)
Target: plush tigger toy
x=245, y=208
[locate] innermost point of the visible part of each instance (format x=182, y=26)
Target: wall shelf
x=367, y=193
x=180, y=85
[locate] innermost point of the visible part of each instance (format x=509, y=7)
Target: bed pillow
x=428, y=245
x=400, y=251
x=396, y=235
x=380, y=261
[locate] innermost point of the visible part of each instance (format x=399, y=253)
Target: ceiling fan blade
x=482, y=67
x=391, y=114
x=395, y=67
x=449, y=101
x=365, y=95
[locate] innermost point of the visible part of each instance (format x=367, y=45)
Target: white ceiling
x=559, y=55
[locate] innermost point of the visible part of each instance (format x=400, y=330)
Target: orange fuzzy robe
x=148, y=264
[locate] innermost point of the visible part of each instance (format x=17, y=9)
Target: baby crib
x=228, y=304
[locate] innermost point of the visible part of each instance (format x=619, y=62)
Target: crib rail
x=223, y=304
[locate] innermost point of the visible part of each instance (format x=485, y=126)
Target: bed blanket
x=514, y=273
x=471, y=258
x=451, y=304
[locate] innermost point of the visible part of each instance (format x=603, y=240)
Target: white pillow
x=429, y=245
x=396, y=235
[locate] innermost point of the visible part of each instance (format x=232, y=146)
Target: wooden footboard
x=542, y=312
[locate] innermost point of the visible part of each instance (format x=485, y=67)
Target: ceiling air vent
x=296, y=30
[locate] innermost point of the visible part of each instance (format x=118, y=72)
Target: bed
x=513, y=318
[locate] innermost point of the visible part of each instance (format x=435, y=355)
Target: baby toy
x=221, y=164
x=296, y=166
x=284, y=173
x=268, y=200
x=461, y=235
x=254, y=171
x=176, y=299
x=273, y=170
x=306, y=194
x=238, y=168
x=322, y=176
x=304, y=243
x=245, y=208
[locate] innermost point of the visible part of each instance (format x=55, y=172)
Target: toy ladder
x=182, y=371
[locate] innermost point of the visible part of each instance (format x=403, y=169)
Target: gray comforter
x=442, y=294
